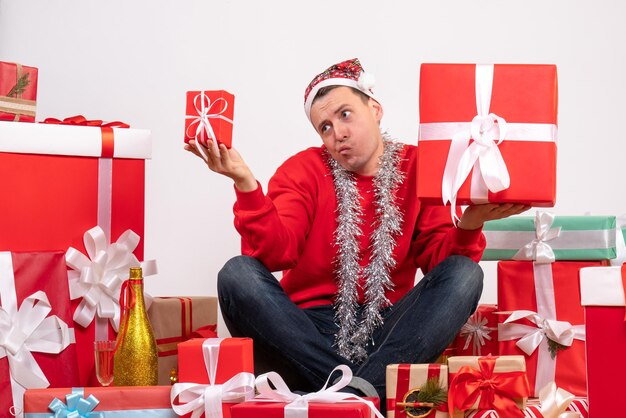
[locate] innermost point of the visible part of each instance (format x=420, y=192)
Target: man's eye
x=325, y=128
x=345, y=113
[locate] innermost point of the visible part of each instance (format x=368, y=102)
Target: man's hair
x=325, y=90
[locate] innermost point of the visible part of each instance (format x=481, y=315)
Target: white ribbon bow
x=539, y=249
x=298, y=405
x=476, y=331
x=554, y=402
x=487, y=130
x=530, y=337
x=98, y=277
x=204, y=130
x=202, y=398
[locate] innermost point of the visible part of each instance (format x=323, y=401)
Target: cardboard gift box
x=103, y=402
x=209, y=115
x=18, y=92
x=547, y=321
x=36, y=340
x=64, y=180
x=569, y=237
x=173, y=320
x=602, y=291
x=403, y=383
x=479, y=335
x=487, y=134
x=489, y=382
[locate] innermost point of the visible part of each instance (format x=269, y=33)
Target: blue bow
x=77, y=406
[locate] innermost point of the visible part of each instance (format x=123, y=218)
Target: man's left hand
x=475, y=216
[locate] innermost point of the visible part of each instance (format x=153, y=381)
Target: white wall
x=133, y=60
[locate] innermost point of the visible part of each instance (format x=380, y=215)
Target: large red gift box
x=18, y=92
x=209, y=115
x=463, y=112
x=315, y=409
x=544, y=299
x=64, y=180
x=603, y=293
x=124, y=401
x=479, y=335
x=39, y=351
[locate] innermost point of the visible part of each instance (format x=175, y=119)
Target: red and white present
x=18, y=92
x=479, y=335
x=487, y=134
x=209, y=115
x=36, y=335
x=404, y=379
x=603, y=294
x=63, y=181
x=546, y=324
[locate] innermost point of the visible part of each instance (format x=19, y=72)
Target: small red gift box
x=234, y=355
x=209, y=115
x=140, y=401
x=547, y=321
x=173, y=320
x=487, y=134
x=63, y=180
x=18, y=92
x=479, y=336
x=36, y=349
x=603, y=296
x=405, y=379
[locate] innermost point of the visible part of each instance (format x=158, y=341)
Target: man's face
x=349, y=128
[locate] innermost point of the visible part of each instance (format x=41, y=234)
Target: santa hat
x=348, y=73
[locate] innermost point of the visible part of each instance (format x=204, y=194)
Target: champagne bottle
x=135, y=360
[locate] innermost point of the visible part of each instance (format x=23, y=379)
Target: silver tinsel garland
x=355, y=333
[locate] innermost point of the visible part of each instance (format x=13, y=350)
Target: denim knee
x=230, y=279
x=469, y=276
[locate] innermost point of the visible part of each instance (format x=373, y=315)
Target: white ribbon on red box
x=602, y=286
x=26, y=330
x=475, y=145
x=207, y=399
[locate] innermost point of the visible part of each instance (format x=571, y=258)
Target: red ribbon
x=624, y=285
x=492, y=390
x=402, y=387
x=127, y=301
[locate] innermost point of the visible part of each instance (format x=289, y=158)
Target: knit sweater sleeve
x=436, y=238
x=274, y=226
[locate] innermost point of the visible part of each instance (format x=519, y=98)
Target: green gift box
x=546, y=238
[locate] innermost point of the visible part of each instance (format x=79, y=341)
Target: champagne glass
x=104, y=361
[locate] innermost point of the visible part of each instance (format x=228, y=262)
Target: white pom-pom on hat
x=366, y=81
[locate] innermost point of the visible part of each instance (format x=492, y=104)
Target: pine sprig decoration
x=554, y=348
x=20, y=86
x=432, y=392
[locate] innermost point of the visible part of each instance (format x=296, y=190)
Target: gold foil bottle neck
x=135, y=273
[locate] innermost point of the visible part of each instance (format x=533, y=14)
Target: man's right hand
x=226, y=162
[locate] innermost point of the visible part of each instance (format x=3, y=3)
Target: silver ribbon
x=476, y=331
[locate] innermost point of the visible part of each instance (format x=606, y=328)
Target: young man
x=343, y=223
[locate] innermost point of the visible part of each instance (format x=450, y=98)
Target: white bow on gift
x=298, y=405
x=98, y=277
x=204, y=130
x=554, y=402
x=530, y=337
x=207, y=398
x=539, y=249
x=476, y=331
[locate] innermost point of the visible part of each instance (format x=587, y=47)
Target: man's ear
x=376, y=109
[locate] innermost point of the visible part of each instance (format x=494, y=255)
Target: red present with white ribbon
x=213, y=375
x=544, y=321
x=276, y=400
x=64, y=180
x=209, y=116
x=36, y=335
x=404, y=379
x=603, y=294
x=487, y=134
x=479, y=335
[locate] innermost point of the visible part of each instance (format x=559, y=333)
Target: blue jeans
x=298, y=343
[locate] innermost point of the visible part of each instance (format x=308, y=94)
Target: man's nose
x=341, y=132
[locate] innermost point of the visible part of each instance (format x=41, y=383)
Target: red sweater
x=291, y=228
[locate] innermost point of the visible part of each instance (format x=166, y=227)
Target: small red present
x=140, y=401
x=489, y=382
x=36, y=349
x=546, y=324
x=209, y=115
x=603, y=294
x=405, y=381
x=479, y=336
x=487, y=134
x=18, y=92
x=221, y=366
